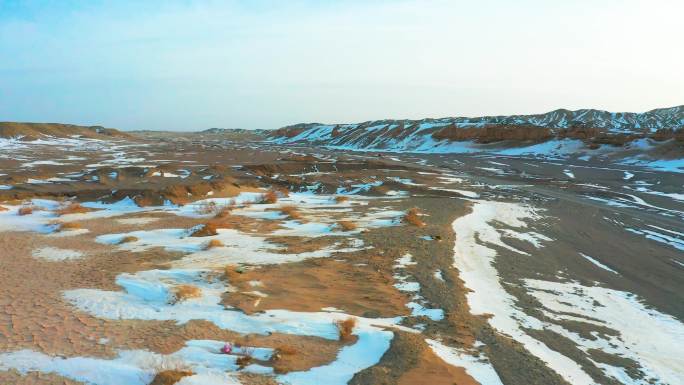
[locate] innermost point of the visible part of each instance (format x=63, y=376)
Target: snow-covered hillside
x=594, y=128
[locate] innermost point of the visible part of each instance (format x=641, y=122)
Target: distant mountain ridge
x=595, y=127
x=652, y=120
x=232, y=131
x=33, y=131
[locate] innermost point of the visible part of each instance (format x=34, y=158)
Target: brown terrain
x=321, y=257
x=33, y=131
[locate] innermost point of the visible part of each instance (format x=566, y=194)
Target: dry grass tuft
x=72, y=208
x=69, y=226
x=285, y=350
x=280, y=364
x=244, y=361
x=207, y=208
x=207, y=230
x=269, y=198
x=341, y=199
x=413, y=217
x=170, y=377
x=291, y=212
x=213, y=243
x=345, y=328
x=2, y=208
x=183, y=292
x=25, y=210
x=128, y=239
x=347, y=225
x=224, y=212
x=232, y=271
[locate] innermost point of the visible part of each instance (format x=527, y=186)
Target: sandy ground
x=366, y=282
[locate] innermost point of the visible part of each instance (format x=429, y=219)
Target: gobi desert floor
x=181, y=260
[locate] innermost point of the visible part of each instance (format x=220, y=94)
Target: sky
x=192, y=65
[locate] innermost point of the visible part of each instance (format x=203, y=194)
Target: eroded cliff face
x=493, y=133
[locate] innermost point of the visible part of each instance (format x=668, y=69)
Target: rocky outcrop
x=493, y=133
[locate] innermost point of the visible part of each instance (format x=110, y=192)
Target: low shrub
x=244, y=361
x=213, y=243
x=206, y=230
x=341, y=199
x=347, y=225
x=206, y=208
x=345, y=328
x=183, y=292
x=269, y=198
x=231, y=271
x=223, y=212
x=69, y=226
x=72, y=208
x=286, y=350
x=413, y=217
x=128, y=239
x=291, y=212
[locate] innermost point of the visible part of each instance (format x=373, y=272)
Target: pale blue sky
x=190, y=65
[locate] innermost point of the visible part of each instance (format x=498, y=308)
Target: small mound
x=25, y=210
x=128, y=239
x=170, y=377
x=183, y=292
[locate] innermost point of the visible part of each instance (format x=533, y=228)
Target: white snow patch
x=403, y=283
x=138, y=367
x=474, y=260
x=366, y=352
x=465, y=193
x=478, y=368
x=56, y=254
x=599, y=264
x=438, y=275
x=668, y=237
x=137, y=221
x=42, y=162
x=651, y=338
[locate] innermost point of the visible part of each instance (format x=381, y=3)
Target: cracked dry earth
x=176, y=261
